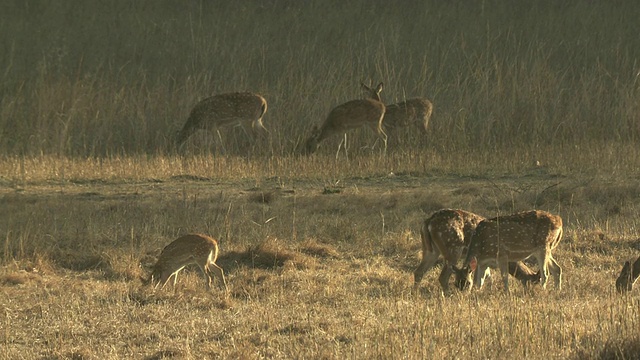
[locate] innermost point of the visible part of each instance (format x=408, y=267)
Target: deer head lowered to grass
x=198, y=249
x=447, y=233
x=242, y=109
x=514, y=237
x=350, y=115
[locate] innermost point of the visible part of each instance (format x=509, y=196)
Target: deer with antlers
x=415, y=111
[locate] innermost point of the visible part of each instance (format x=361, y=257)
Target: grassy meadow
x=536, y=105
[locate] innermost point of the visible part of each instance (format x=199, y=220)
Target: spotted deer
x=628, y=276
x=242, y=109
x=502, y=239
x=198, y=249
x=350, y=115
x=447, y=233
x=415, y=111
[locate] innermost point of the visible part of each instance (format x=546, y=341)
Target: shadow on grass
x=272, y=254
x=257, y=257
x=618, y=349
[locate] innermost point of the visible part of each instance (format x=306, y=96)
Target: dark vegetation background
x=96, y=78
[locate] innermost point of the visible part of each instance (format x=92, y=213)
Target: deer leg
x=342, y=141
x=522, y=272
x=428, y=260
x=219, y=273
x=259, y=126
x=205, y=271
x=544, y=269
x=635, y=274
x=175, y=277
x=504, y=271
x=625, y=280
x=346, y=154
x=481, y=271
x=220, y=141
x=175, y=280
x=481, y=275
x=556, y=270
x=384, y=139
x=164, y=278
x=445, y=275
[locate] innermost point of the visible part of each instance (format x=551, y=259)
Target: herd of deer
x=501, y=242
x=246, y=110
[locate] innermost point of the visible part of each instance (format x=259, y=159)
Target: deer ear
x=473, y=264
x=379, y=88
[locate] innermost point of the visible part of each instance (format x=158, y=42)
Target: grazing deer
x=518, y=269
x=511, y=238
x=226, y=110
x=415, y=111
x=198, y=249
x=447, y=233
x=347, y=116
x=628, y=276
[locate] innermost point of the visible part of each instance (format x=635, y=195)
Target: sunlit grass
x=535, y=106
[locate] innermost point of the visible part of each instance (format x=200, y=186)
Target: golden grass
x=592, y=159
x=535, y=106
x=312, y=274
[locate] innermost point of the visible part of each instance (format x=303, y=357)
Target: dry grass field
x=536, y=106
x=317, y=267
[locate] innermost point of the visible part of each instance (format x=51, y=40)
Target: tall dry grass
x=95, y=79
x=316, y=269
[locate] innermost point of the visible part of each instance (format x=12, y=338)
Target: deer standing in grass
x=242, y=109
x=198, y=249
x=415, y=111
x=348, y=116
x=515, y=237
x=447, y=232
x=628, y=276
